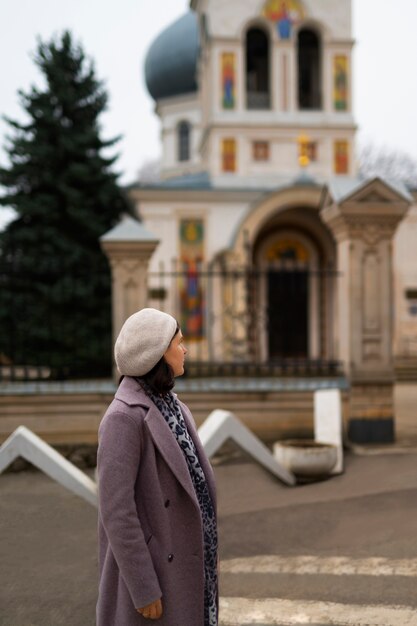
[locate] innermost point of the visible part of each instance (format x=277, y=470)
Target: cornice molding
x=370, y=228
x=195, y=195
x=140, y=250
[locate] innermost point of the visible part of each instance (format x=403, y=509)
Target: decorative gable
x=376, y=191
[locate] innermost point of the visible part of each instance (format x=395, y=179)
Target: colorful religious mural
x=191, y=289
x=229, y=155
x=285, y=14
x=341, y=157
x=228, y=73
x=287, y=249
x=340, y=77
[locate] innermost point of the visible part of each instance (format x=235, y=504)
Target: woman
x=157, y=500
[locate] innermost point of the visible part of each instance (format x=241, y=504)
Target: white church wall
x=159, y=219
x=291, y=94
x=278, y=86
x=283, y=153
x=163, y=219
x=340, y=14
x=229, y=18
x=229, y=216
x=171, y=112
x=405, y=279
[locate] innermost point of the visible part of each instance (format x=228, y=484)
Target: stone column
x=363, y=225
x=129, y=247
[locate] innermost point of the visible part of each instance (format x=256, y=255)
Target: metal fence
x=243, y=321
x=277, y=320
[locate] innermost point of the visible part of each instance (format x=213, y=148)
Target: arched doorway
x=289, y=296
x=289, y=218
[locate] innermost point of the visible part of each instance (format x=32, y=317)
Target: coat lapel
x=170, y=450
x=131, y=393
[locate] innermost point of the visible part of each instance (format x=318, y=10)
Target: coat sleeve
x=118, y=462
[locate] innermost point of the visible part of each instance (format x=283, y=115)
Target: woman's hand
x=152, y=611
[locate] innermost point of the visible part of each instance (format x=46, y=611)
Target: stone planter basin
x=306, y=458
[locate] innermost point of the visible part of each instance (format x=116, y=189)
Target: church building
x=275, y=256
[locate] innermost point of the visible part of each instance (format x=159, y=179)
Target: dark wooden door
x=288, y=314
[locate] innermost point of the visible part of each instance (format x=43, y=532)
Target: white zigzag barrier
x=222, y=425
x=23, y=442
x=216, y=429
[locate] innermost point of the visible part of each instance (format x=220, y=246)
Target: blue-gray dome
x=171, y=62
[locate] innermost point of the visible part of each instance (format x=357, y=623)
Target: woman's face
x=175, y=354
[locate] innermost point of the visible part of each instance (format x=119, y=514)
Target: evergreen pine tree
x=55, y=288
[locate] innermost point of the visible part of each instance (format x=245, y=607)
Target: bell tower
x=269, y=72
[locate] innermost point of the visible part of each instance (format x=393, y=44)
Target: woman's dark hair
x=161, y=377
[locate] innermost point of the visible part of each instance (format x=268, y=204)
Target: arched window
x=257, y=69
x=184, y=132
x=309, y=70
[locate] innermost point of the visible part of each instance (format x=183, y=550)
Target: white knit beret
x=143, y=341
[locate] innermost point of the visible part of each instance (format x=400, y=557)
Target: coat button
x=170, y=558
x=167, y=503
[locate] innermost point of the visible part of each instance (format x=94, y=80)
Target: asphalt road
x=343, y=551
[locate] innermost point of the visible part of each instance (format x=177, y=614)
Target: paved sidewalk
x=368, y=516
x=343, y=551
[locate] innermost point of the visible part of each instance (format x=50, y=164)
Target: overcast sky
x=117, y=34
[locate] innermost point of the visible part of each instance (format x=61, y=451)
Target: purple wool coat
x=149, y=525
